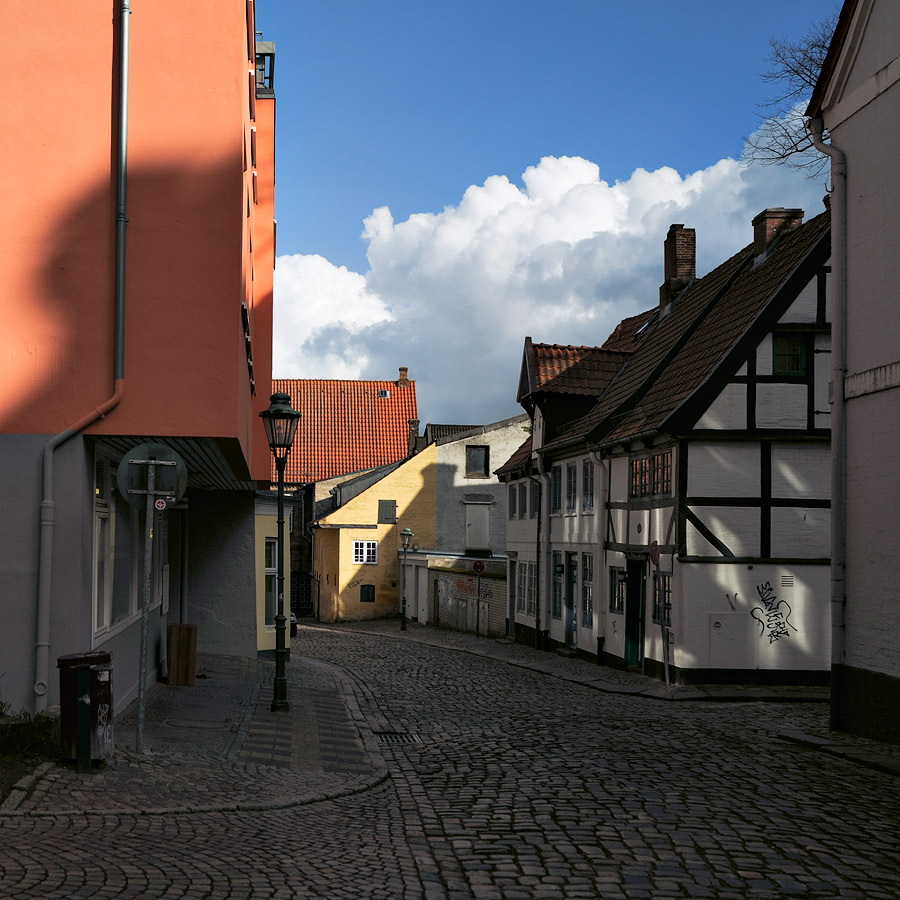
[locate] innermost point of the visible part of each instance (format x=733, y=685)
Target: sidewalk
x=216, y=746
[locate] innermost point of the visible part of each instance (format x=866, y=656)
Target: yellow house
x=266, y=537
x=355, y=557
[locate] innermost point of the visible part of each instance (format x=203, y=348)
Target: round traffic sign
x=654, y=553
x=160, y=503
x=478, y=566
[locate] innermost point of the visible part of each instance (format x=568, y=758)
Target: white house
x=857, y=99
x=684, y=519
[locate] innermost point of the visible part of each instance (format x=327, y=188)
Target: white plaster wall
x=805, y=533
x=728, y=411
x=737, y=527
x=723, y=469
x=804, y=308
x=873, y=492
x=753, y=616
x=870, y=139
x=801, y=471
x=781, y=405
x=452, y=485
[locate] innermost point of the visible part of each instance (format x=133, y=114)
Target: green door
x=634, y=611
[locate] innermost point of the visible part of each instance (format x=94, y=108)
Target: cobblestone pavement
x=435, y=765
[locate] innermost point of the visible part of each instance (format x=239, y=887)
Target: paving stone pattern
x=441, y=766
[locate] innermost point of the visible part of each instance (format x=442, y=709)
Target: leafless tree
x=793, y=69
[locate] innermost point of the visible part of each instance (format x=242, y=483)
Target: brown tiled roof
x=628, y=332
x=558, y=368
x=706, y=328
x=347, y=426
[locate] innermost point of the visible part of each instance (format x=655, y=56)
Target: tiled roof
x=434, y=432
x=628, y=332
x=558, y=368
x=347, y=426
x=681, y=351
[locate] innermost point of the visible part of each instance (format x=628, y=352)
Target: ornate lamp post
x=405, y=538
x=280, y=421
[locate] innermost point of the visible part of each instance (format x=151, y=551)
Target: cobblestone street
x=493, y=780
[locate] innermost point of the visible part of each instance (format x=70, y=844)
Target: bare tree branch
x=793, y=69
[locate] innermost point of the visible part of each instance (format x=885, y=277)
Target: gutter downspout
x=543, y=543
x=48, y=506
x=839, y=413
x=602, y=604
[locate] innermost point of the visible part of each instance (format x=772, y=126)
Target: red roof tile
x=347, y=426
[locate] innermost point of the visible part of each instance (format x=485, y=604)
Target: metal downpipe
x=48, y=506
x=839, y=412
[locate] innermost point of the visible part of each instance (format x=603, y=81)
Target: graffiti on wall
x=773, y=616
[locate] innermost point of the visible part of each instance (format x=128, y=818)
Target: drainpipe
x=543, y=543
x=48, y=506
x=600, y=513
x=839, y=412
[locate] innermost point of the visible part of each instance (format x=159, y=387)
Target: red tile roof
x=347, y=426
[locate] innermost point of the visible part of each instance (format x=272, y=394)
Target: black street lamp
x=280, y=420
x=405, y=538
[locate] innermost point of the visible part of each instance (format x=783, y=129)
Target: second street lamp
x=280, y=421
x=405, y=538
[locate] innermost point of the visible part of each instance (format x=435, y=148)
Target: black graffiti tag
x=774, y=615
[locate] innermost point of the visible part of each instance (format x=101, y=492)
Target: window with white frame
x=530, y=597
x=557, y=597
x=587, y=483
x=513, y=494
x=556, y=489
x=571, y=486
x=616, y=590
x=662, y=598
x=523, y=500
x=271, y=579
x=365, y=552
x=587, y=590
x=115, y=556
x=521, y=586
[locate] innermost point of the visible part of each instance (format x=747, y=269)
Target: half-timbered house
x=684, y=527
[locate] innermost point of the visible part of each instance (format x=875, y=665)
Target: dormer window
x=383, y=395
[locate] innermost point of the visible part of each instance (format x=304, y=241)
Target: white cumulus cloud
x=563, y=258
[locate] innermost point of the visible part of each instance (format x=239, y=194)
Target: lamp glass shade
x=405, y=537
x=280, y=421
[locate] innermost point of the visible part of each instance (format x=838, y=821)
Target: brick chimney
x=403, y=380
x=769, y=224
x=679, y=262
x=412, y=440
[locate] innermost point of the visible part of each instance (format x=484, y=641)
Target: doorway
x=571, y=581
x=635, y=593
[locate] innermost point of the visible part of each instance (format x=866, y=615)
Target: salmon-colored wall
x=188, y=232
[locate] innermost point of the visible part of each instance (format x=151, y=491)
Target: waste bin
x=181, y=651
x=85, y=706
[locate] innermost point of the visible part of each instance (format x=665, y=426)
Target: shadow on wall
x=182, y=307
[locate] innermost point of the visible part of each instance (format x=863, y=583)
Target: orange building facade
x=139, y=245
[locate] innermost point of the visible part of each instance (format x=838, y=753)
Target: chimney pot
x=771, y=222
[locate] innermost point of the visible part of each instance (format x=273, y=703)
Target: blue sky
x=404, y=107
